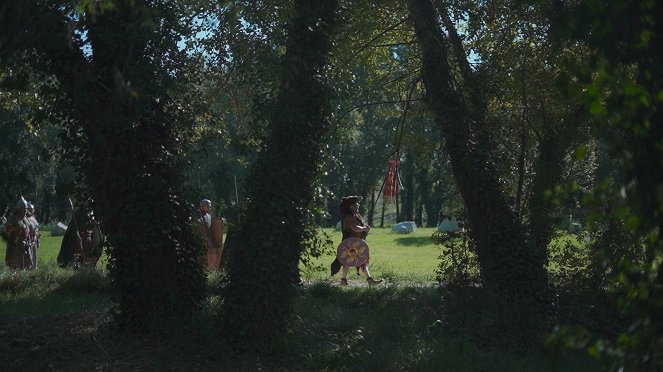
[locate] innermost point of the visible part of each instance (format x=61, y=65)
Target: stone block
x=448, y=225
x=404, y=227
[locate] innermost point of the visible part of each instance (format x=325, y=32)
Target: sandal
x=372, y=281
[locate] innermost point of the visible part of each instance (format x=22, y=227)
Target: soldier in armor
x=17, y=229
x=82, y=244
x=205, y=216
x=33, y=247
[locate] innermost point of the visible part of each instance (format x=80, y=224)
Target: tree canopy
x=519, y=116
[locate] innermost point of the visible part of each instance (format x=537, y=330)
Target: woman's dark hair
x=346, y=202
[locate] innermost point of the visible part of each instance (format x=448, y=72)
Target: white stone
x=448, y=225
x=404, y=227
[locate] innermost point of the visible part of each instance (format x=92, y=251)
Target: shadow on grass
x=88, y=341
x=392, y=328
x=383, y=328
x=414, y=241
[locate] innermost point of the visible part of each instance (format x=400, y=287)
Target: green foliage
x=133, y=106
x=32, y=167
x=458, y=262
x=318, y=243
x=621, y=83
x=378, y=109
x=570, y=262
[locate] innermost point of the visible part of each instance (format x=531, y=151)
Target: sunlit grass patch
x=398, y=257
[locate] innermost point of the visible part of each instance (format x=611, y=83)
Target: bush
x=458, y=261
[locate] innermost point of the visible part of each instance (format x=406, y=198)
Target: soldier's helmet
x=22, y=203
x=31, y=207
x=206, y=202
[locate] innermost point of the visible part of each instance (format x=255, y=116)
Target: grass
x=49, y=288
x=399, y=258
x=404, y=328
x=58, y=319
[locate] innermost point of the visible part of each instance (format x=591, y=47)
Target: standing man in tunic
x=17, y=229
x=211, y=231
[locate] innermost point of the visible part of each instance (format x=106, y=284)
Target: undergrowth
x=388, y=328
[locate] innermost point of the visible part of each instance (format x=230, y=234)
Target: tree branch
x=366, y=104
x=366, y=45
x=393, y=44
x=456, y=45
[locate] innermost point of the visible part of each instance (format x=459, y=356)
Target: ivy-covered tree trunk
x=265, y=247
x=119, y=132
x=408, y=169
x=154, y=260
x=424, y=196
x=506, y=258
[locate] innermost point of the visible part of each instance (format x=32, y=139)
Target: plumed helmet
x=206, y=202
x=22, y=203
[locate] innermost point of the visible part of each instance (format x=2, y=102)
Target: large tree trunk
x=154, y=260
x=120, y=137
x=506, y=257
x=523, y=142
x=266, y=246
x=425, y=200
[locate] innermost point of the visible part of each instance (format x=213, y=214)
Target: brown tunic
x=18, y=255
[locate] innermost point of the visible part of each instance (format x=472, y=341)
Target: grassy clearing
x=58, y=319
x=395, y=257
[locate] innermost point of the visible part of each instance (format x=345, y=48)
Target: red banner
x=391, y=183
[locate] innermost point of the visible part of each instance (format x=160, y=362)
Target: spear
x=78, y=235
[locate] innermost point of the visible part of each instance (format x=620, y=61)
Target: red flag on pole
x=391, y=183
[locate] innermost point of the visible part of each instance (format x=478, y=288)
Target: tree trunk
x=384, y=205
x=121, y=138
x=154, y=260
x=523, y=143
x=371, y=208
x=407, y=213
x=263, y=261
x=506, y=258
x=555, y=143
x=424, y=196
